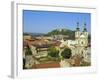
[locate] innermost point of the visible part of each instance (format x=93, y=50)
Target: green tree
x=66, y=53
x=28, y=51
x=53, y=52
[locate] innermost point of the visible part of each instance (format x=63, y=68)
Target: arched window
x=82, y=42
x=82, y=52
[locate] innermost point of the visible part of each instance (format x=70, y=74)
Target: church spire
x=84, y=27
x=77, y=26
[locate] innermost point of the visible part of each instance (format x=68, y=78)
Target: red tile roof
x=47, y=65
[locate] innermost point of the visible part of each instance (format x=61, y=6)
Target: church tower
x=83, y=40
x=77, y=32
x=85, y=30
x=85, y=33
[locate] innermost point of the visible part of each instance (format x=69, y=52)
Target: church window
x=82, y=52
x=81, y=42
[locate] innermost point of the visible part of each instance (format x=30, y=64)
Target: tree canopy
x=28, y=51
x=66, y=53
x=53, y=52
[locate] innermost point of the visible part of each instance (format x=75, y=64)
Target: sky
x=46, y=21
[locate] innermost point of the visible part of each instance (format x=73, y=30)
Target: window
x=82, y=42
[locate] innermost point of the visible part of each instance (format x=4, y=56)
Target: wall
x=5, y=41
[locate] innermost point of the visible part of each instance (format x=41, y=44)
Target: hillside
x=66, y=32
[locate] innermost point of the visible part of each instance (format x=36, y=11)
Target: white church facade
x=79, y=46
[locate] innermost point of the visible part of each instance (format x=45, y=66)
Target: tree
x=53, y=52
x=28, y=51
x=24, y=61
x=66, y=53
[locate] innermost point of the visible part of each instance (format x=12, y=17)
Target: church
x=79, y=46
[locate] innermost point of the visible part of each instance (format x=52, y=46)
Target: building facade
x=79, y=46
